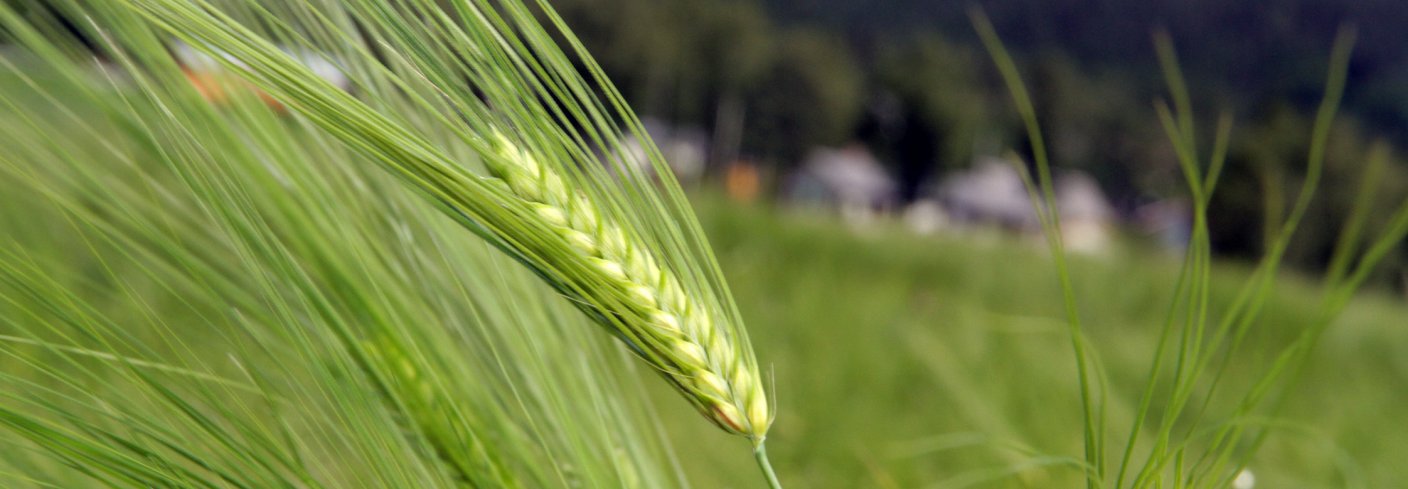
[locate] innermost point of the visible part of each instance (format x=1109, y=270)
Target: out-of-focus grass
x=903, y=361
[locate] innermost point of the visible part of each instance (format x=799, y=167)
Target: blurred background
x=852, y=162
x=890, y=110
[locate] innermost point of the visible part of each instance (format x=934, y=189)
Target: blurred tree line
x=773, y=78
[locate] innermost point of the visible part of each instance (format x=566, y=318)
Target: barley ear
x=617, y=277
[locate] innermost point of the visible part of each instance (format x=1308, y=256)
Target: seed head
x=616, y=275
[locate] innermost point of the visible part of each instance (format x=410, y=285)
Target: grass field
x=902, y=361
x=896, y=361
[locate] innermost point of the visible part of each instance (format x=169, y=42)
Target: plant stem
x=760, y=452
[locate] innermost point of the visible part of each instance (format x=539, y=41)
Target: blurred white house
x=849, y=180
x=685, y=149
x=1168, y=221
x=992, y=195
x=989, y=194
x=1087, y=218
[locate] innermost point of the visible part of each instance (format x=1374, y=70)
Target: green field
x=903, y=361
x=231, y=295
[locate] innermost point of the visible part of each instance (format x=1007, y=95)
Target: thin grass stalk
x=1347, y=245
x=1092, y=412
x=1295, y=357
x=1334, y=90
x=1196, y=258
x=1247, y=305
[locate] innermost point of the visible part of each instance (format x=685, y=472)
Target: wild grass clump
x=1205, y=432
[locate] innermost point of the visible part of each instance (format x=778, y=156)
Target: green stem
x=760, y=452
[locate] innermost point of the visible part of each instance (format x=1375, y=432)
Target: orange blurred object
x=742, y=181
x=216, y=87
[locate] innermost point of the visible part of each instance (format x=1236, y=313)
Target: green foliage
x=675, y=58
x=941, y=83
x=811, y=95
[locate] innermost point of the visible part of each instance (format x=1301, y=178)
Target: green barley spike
x=664, y=324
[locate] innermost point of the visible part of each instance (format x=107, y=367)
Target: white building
x=849, y=180
x=993, y=195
